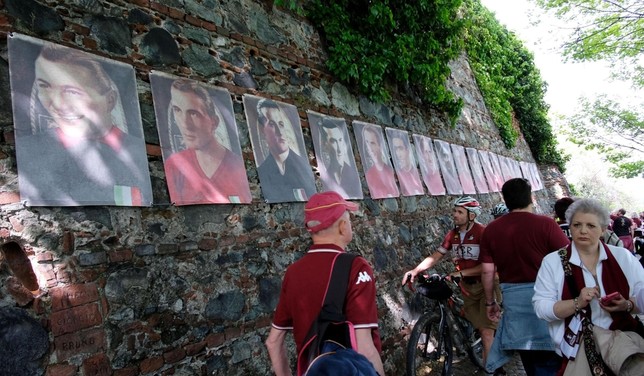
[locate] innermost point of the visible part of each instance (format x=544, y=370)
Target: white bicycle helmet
x=499, y=210
x=470, y=204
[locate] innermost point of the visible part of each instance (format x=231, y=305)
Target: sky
x=567, y=82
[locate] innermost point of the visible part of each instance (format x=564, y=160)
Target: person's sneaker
x=499, y=371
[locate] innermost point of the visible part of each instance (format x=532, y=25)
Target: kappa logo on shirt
x=363, y=277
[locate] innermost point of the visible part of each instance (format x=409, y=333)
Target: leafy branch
x=616, y=133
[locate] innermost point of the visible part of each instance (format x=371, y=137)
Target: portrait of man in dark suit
x=336, y=163
x=278, y=146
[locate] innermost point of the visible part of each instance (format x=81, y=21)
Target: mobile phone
x=609, y=298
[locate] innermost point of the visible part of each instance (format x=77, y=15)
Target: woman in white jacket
x=595, y=271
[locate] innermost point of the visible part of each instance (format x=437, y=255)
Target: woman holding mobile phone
x=598, y=270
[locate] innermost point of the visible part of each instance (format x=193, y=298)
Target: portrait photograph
x=285, y=174
x=526, y=173
x=464, y=174
x=515, y=168
x=506, y=168
x=334, y=154
x=496, y=165
x=488, y=171
x=376, y=160
x=404, y=162
x=199, y=141
x=477, y=170
x=78, y=129
x=448, y=168
x=428, y=165
x=536, y=176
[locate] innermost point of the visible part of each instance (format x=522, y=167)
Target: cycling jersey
x=464, y=253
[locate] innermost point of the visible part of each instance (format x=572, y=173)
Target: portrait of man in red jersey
x=199, y=142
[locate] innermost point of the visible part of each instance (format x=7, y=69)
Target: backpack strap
x=336, y=290
x=332, y=308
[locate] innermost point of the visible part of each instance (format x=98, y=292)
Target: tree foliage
x=604, y=30
x=510, y=83
x=613, y=131
x=610, y=30
x=384, y=46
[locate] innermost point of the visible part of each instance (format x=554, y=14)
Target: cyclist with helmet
x=463, y=243
x=499, y=210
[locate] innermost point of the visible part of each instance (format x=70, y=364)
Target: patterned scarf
x=613, y=279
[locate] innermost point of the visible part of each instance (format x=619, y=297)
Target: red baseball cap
x=323, y=209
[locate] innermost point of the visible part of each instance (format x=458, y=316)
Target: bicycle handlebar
x=424, y=278
x=408, y=283
x=439, y=277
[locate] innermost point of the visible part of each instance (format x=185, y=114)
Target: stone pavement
x=464, y=367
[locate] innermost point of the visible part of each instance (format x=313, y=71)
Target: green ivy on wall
x=509, y=81
x=380, y=46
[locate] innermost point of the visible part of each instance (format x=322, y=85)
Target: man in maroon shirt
x=326, y=217
x=514, y=245
x=623, y=227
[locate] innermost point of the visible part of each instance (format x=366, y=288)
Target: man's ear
x=215, y=123
x=111, y=99
x=342, y=226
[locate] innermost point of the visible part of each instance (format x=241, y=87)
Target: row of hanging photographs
x=79, y=141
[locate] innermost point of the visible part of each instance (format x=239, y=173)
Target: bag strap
x=332, y=309
x=336, y=290
x=595, y=361
x=570, y=280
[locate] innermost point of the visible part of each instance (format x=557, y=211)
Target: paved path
x=463, y=367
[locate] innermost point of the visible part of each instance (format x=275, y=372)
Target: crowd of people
x=532, y=284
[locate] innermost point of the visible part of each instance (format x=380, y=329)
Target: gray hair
x=589, y=206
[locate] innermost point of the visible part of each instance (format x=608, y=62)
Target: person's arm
x=487, y=279
x=368, y=349
x=546, y=301
x=427, y=263
x=276, y=345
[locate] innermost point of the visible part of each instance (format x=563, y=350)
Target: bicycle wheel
x=474, y=345
x=429, y=350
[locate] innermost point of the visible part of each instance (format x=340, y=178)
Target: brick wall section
x=79, y=342
x=175, y=290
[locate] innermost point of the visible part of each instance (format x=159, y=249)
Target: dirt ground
x=462, y=366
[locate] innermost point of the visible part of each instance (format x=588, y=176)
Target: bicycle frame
x=435, y=334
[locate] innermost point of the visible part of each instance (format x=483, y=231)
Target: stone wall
x=190, y=290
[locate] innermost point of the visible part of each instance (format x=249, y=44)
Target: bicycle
x=438, y=333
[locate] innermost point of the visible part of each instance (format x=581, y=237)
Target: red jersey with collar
x=303, y=288
x=464, y=253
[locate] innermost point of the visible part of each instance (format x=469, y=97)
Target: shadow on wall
x=20, y=266
x=23, y=340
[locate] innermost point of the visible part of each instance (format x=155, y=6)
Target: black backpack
x=330, y=342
